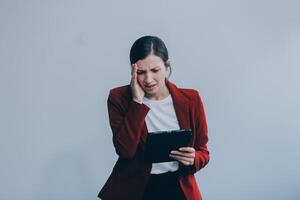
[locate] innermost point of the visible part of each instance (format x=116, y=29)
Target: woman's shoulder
x=193, y=96
x=190, y=93
x=120, y=92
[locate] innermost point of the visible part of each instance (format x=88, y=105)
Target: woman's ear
x=168, y=63
x=168, y=67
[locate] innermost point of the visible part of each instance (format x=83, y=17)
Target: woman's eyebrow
x=158, y=67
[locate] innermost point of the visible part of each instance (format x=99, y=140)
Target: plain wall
x=58, y=60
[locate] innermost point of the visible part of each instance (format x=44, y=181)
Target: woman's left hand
x=185, y=155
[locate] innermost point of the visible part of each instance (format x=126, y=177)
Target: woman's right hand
x=137, y=91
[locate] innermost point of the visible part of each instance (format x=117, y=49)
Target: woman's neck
x=163, y=94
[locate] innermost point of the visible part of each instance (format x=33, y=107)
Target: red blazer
x=127, y=120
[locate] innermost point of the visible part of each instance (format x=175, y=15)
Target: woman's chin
x=150, y=94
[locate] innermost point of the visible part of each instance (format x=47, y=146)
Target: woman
x=152, y=103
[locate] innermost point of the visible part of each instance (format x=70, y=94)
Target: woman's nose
x=148, y=78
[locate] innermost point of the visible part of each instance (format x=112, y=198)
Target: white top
x=161, y=117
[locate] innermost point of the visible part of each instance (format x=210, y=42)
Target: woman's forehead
x=150, y=61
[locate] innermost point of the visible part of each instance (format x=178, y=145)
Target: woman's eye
x=141, y=72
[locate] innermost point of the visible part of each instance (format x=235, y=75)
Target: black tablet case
x=159, y=144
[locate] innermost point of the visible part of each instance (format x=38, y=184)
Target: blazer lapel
x=181, y=105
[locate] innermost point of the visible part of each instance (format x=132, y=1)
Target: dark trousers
x=163, y=186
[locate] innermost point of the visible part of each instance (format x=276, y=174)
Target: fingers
x=185, y=155
x=187, y=149
x=134, y=69
x=133, y=73
x=183, y=160
x=186, y=163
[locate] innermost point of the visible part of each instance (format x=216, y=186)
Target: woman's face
x=151, y=74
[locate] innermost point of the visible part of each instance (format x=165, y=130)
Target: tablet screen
x=159, y=144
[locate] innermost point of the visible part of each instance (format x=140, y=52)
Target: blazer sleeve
x=126, y=125
x=202, y=153
x=201, y=139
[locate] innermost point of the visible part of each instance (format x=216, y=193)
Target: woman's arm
x=202, y=153
x=192, y=159
x=126, y=125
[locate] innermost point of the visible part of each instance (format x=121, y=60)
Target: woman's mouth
x=150, y=87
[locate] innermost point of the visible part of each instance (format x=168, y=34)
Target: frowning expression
x=151, y=75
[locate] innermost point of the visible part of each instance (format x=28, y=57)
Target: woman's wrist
x=138, y=100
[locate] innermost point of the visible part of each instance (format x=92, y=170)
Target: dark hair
x=147, y=45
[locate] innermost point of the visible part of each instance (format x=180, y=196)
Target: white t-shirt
x=161, y=117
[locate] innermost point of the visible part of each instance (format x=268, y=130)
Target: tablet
x=159, y=144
